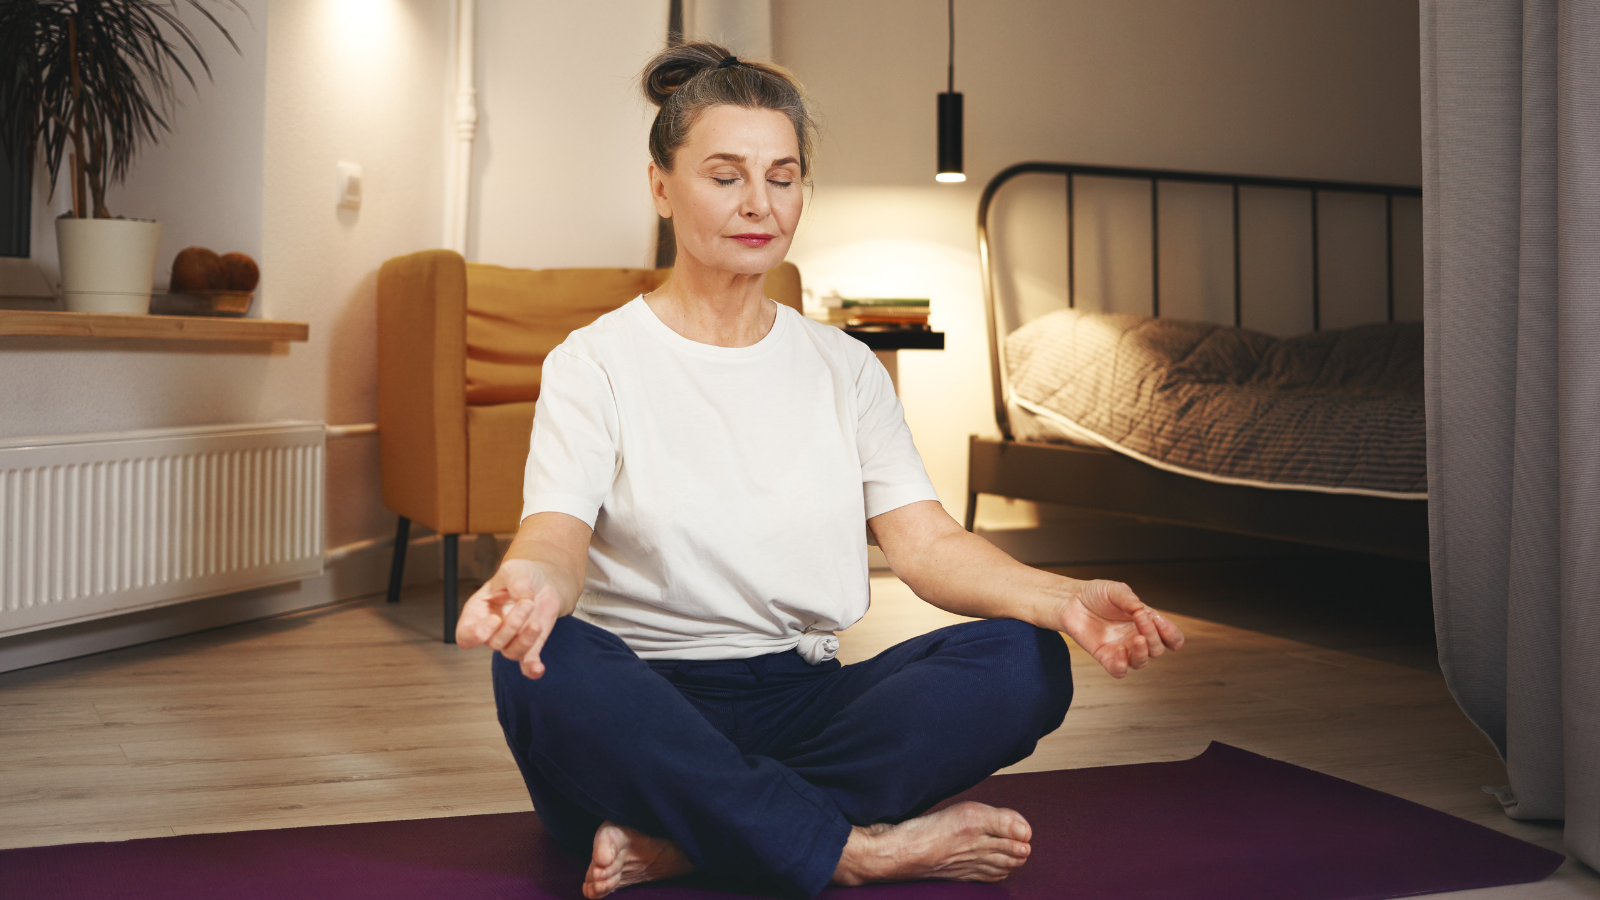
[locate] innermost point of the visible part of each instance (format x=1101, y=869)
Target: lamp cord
x=952, y=46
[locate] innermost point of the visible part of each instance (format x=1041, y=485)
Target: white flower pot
x=107, y=265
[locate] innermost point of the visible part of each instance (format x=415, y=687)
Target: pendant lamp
x=950, y=167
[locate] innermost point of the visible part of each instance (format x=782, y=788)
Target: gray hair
x=686, y=80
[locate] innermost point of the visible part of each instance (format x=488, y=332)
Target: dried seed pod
x=198, y=269
x=242, y=272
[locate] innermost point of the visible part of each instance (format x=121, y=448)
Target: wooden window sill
x=184, y=328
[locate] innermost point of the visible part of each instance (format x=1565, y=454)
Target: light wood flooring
x=357, y=712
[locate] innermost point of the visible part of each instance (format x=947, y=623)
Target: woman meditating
x=706, y=470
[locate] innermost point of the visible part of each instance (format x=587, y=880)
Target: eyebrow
x=737, y=158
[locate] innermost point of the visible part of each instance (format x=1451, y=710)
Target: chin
x=753, y=263
x=737, y=259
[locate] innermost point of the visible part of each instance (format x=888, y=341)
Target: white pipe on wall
x=459, y=190
x=334, y=432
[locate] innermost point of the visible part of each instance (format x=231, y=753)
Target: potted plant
x=95, y=75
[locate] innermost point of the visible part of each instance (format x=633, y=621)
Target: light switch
x=349, y=185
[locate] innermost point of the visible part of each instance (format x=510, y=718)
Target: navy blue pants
x=757, y=768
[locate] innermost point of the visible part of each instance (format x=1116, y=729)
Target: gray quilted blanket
x=1331, y=410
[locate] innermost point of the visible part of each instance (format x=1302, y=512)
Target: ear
x=658, y=191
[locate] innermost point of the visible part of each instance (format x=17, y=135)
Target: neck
x=713, y=306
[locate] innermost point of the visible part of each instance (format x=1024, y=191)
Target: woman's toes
x=1018, y=828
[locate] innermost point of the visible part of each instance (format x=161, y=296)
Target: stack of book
x=889, y=313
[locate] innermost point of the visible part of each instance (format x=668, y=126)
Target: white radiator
x=99, y=524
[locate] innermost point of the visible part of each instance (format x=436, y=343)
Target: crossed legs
x=777, y=774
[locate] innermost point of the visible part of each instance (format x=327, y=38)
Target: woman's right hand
x=513, y=613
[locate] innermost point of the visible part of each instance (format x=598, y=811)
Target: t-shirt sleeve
x=572, y=455
x=892, y=474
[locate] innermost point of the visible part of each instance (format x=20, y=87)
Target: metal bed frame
x=1110, y=482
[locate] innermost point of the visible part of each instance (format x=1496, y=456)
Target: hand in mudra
x=513, y=613
x=1109, y=620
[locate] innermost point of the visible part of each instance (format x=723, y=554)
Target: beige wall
x=363, y=82
x=1319, y=89
x=204, y=184
x=251, y=167
x=559, y=166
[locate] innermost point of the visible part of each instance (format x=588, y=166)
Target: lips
x=753, y=240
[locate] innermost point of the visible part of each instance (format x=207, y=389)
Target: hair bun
x=672, y=67
x=675, y=74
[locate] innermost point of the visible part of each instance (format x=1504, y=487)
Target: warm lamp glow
x=950, y=177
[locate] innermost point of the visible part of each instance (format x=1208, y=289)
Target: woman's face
x=734, y=190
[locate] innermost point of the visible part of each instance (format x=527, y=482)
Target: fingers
x=1138, y=652
x=544, y=620
x=1159, y=633
x=498, y=613
x=512, y=618
x=1171, y=635
x=1145, y=621
x=479, y=616
x=1114, y=659
x=1123, y=597
x=535, y=616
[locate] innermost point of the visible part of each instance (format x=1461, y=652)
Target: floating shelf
x=181, y=328
x=898, y=338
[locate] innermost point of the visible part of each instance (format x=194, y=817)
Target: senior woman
x=706, y=470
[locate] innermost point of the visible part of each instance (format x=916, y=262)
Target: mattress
x=1332, y=411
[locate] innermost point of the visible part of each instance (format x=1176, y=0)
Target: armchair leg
x=397, y=563
x=972, y=510
x=450, y=613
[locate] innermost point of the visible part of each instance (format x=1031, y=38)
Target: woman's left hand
x=1109, y=620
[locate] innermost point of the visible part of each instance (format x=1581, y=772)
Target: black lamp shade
x=950, y=134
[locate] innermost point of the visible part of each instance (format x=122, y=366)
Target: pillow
x=515, y=317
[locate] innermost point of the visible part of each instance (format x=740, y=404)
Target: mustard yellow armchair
x=460, y=347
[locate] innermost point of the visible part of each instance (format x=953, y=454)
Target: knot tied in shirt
x=817, y=646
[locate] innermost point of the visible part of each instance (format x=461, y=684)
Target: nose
x=756, y=204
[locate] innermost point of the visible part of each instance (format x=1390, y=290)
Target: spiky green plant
x=99, y=75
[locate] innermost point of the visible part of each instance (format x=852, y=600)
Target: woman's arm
x=965, y=574
x=538, y=582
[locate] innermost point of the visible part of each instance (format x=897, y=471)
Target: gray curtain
x=1511, y=181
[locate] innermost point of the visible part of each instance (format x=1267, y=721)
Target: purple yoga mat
x=1226, y=824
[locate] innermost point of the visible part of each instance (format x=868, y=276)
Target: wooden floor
x=357, y=712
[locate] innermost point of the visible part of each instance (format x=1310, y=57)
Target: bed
x=1124, y=383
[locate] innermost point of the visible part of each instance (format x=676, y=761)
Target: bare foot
x=623, y=856
x=965, y=842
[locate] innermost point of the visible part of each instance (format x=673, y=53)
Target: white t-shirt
x=728, y=488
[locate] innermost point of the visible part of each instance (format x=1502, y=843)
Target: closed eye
x=725, y=182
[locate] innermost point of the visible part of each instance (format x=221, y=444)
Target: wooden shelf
x=182, y=328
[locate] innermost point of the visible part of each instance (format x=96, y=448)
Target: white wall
x=559, y=169
x=1317, y=89
x=204, y=184
x=251, y=166
x=363, y=81
x=559, y=181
